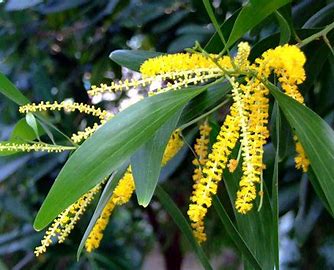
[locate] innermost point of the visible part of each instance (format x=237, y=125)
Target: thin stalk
x=320, y=34
x=203, y=115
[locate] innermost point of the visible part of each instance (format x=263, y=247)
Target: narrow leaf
x=183, y=225
x=255, y=227
x=317, y=139
x=275, y=190
x=284, y=27
x=251, y=15
x=10, y=91
x=204, y=102
x=146, y=162
x=31, y=121
x=234, y=234
x=109, y=147
x=132, y=59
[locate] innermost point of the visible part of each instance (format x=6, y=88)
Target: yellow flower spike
x=288, y=64
x=254, y=134
x=301, y=160
x=64, y=223
x=181, y=62
x=66, y=106
x=232, y=165
x=70, y=107
x=201, y=150
x=183, y=69
x=242, y=55
x=174, y=145
x=123, y=193
x=88, y=131
x=212, y=172
x=25, y=147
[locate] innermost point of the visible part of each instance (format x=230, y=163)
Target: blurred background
x=55, y=50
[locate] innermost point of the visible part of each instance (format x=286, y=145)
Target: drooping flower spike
x=64, y=223
x=69, y=106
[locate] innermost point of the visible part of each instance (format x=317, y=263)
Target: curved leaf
x=132, y=59
x=317, y=139
x=146, y=162
x=251, y=15
x=234, y=234
x=9, y=90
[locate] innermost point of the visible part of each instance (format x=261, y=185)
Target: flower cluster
x=246, y=122
x=121, y=195
x=64, y=223
x=178, y=70
x=248, y=119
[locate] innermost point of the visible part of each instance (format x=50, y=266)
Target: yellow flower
x=201, y=150
x=242, y=56
x=174, y=145
x=232, y=165
x=69, y=106
x=212, y=172
x=182, y=69
x=181, y=62
x=66, y=106
x=25, y=147
x=121, y=195
x=253, y=106
x=288, y=64
x=301, y=160
x=64, y=223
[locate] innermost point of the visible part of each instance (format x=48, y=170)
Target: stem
x=317, y=35
x=203, y=115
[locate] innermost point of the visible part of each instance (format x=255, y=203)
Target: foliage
x=56, y=51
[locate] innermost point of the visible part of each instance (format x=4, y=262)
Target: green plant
x=139, y=135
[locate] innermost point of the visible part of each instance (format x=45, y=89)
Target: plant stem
x=317, y=35
x=203, y=115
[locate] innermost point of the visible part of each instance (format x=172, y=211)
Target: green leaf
x=183, y=225
x=214, y=21
x=109, y=147
x=317, y=139
x=132, y=59
x=285, y=28
x=146, y=162
x=215, y=44
x=104, y=199
x=285, y=137
x=260, y=240
x=22, y=131
x=251, y=15
x=10, y=91
x=31, y=121
x=234, y=234
x=275, y=206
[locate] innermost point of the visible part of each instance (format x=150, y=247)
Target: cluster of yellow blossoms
x=64, y=223
x=247, y=122
x=248, y=119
